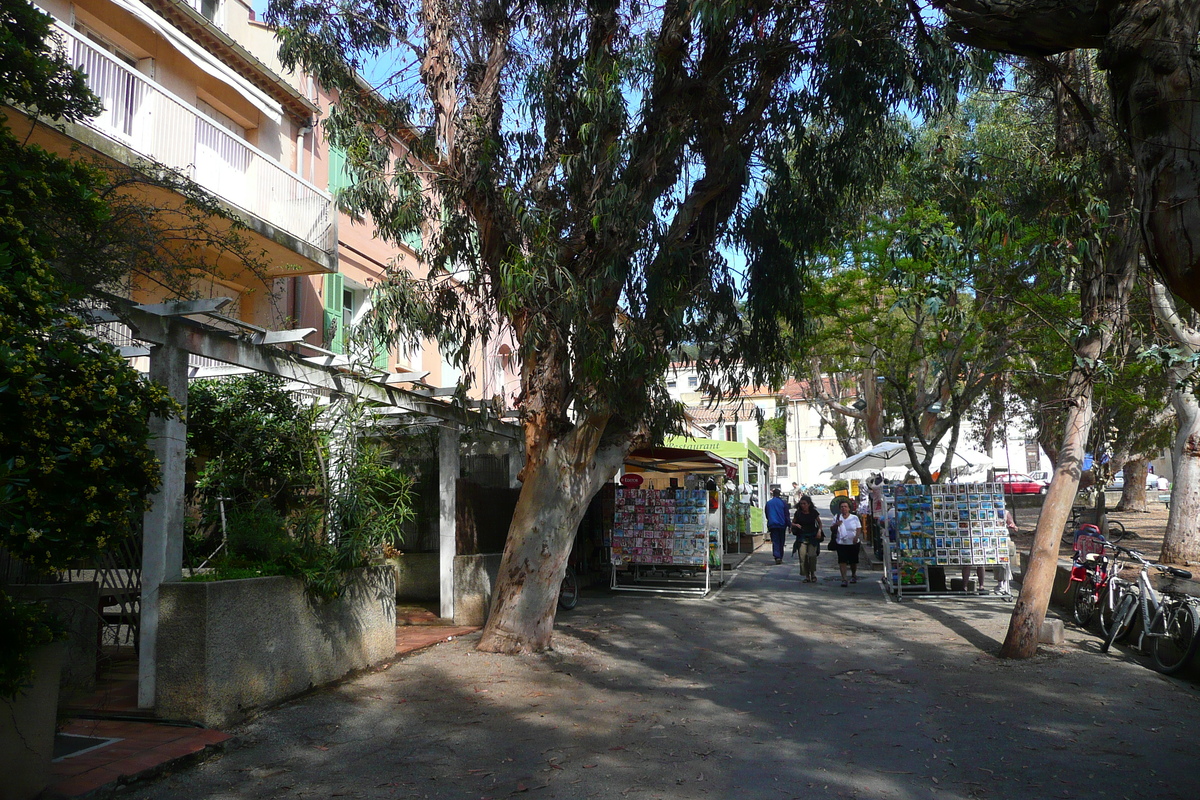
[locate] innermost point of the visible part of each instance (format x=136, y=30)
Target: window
x=671, y=383
x=781, y=471
x=693, y=381
x=209, y=9
x=731, y=433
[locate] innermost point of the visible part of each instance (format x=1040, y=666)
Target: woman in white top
x=848, y=535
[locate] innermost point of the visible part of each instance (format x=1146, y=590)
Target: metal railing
x=155, y=123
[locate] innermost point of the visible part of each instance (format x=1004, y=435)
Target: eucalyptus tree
x=589, y=165
x=1181, y=357
x=937, y=296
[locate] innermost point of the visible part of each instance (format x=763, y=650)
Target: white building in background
x=811, y=445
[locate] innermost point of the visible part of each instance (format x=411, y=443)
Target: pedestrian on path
x=777, y=523
x=847, y=528
x=806, y=524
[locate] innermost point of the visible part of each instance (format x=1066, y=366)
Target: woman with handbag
x=806, y=523
x=847, y=534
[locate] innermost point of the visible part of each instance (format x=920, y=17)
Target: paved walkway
x=769, y=688
x=133, y=746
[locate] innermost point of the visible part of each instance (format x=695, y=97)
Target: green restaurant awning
x=731, y=450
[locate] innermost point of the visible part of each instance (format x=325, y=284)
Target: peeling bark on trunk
x=553, y=500
x=1181, y=544
x=1133, y=496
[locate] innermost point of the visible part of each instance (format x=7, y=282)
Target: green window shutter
x=334, y=284
x=413, y=240
x=339, y=174
x=381, y=353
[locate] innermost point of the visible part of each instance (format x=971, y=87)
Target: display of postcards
x=939, y=541
x=1002, y=557
x=954, y=560
x=976, y=542
x=965, y=552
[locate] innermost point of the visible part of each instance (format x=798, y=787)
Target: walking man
x=777, y=523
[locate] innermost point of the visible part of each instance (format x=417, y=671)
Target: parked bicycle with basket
x=1170, y=620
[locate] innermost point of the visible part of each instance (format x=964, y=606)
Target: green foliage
x=839, y=485
x=958, y=275
x=251, y=442
x=588, y=197
x=24, y=627
x=376, y=502
x=75, y=468
x=772, y=434
x=33, y=72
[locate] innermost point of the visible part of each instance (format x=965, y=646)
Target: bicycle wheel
x=1116, y=532
x=1084, y=605
x=1109, y=600
x=568, y=593
x=1123, y=619
x=1174, y=632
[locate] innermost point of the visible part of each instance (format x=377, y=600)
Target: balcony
x=154, y=123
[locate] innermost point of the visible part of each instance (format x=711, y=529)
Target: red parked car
x=1020, y=483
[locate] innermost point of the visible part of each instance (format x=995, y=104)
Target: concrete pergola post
x=162, y=524
x=448, y=468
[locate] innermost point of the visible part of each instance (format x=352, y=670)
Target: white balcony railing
x=155, y=123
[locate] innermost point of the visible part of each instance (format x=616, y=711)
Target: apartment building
x=335, y=302
x=179, y=90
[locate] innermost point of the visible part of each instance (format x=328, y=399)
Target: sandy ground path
x=769, y=689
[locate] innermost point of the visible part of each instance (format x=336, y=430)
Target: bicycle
x=1094, y=571
x=1091, y=569
x=1116, y=531
x=568, y=592
x=1170, y=620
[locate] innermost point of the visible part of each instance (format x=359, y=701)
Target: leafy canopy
x=597, y=173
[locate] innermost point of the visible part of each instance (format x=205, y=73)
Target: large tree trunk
x=1038, y=579
x=1133, y=496
x=1105, y=288
x=1181, y=544
x=561, y=476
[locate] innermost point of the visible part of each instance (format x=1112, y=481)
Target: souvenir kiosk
x=744, y=529
x=665, y=535
x=943, y=528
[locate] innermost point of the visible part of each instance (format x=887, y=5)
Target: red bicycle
x=1092, y=570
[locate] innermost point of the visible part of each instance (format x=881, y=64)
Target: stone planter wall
x=474, y=579
x=27, y=728
x=417, y=576
x=227, y=648
x=77, y=606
